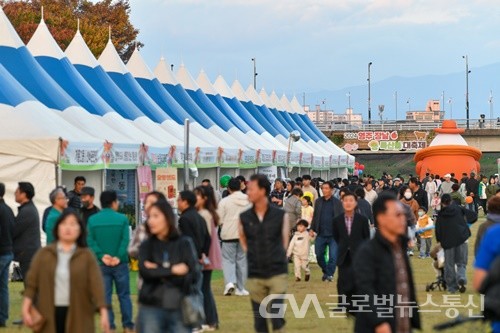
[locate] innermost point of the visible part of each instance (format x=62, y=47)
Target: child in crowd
x=299, y=248
x=424, y=228
x=436, y=205
x=307, y=209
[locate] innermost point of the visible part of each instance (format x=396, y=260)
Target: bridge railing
x=401, y=125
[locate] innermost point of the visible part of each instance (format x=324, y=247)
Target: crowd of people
x=363, y=228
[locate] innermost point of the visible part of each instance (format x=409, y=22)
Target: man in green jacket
x=59, y=203
x=108, y=237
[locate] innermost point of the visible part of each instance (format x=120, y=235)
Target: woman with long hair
x=206, y=206
x=64, y=282
x=168, y=265
x=140, y=232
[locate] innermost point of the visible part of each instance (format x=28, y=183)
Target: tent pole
x=186, y=154
x=58, y=165
x=103, y=180
x=217, y=177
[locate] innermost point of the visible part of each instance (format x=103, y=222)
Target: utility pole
x=369, y=95
x=450, y=101
x=254, y=60
x=349, y=98
x=467, y=72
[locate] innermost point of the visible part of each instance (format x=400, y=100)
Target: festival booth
x=66, y=114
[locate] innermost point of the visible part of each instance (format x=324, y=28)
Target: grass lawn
x=235, y=316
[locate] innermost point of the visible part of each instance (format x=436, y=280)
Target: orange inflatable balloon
x=468, y=199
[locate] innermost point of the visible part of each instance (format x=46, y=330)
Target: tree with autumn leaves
x=61, y=17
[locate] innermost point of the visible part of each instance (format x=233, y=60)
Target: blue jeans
x=157, y=320
x=120, y=276
x=320, y=248
x=5, y=261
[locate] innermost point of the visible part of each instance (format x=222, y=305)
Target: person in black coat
x=382, y=269
x=363, y=207
x=452, y=231
x=26, y=230
x=419, y=194
x=350, y=230
x=191, y=223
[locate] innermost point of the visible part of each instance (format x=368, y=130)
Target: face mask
x=408, y=196
x=420, y=213
x=85, y=204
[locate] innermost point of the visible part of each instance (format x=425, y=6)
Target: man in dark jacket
x=350, y=230
x=325, y=209
x=472, y=188
x=191, y=223
x=419, y=194
x=264, y=235
x=452, y=232
x=382, y=269
x=363, y=206
x=6, y=256
x=26, y=231
x=74, y=196
x=88, y=207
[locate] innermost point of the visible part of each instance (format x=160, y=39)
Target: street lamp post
x=254, y=60
x=442, y=98
x=450, y=101
x=490, y=100
x=349, y=99
x=467, y=72
x=396, y=103
x=369, y=95
x=409, y=105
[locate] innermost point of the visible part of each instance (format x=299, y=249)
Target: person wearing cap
x=446, y=186
x=88, y=208
x=224, y=181
x=26, y=230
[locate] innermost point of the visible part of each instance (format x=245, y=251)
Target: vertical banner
x=270, y=171
x=145, y=180
x=167, y=183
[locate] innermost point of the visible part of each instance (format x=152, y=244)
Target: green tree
x=61, y=17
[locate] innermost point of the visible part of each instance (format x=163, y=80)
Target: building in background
x=432, y=113
x=327, y=119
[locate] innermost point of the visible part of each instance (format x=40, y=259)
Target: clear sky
x=313, y=45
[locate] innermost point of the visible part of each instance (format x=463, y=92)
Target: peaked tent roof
x=228, y=129
x=164, y=74
x=141, y=72
x=242, y=116
x=95, y=75
x=26, y=70
x=58, y=66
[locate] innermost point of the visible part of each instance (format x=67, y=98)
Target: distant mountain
x=419, y=90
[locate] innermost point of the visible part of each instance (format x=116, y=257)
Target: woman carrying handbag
x=167, y=263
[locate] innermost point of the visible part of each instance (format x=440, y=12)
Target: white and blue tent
x=176, y=110
x=53, y=60
x=229, y=131
x=223, y=99
x=50, y=97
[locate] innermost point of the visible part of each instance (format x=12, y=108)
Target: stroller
x=437, y=254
